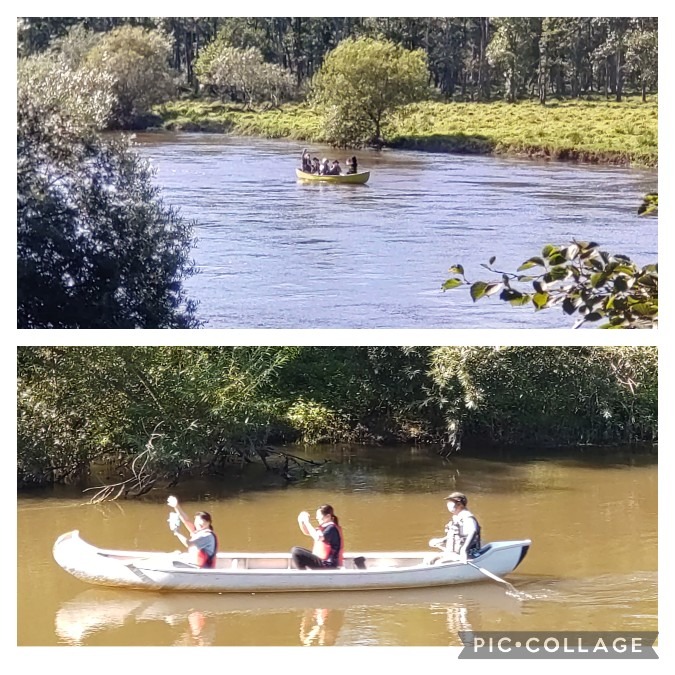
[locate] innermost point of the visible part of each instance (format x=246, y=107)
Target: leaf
x=621, y=284
x=532, y=262
x=571, y=252
x=452, y=283
x=594, y=316
x=570, y=305
x=650, y=204
x=557, y=258
x=540, y=300
x=478, y=290
x=492, y=260
x=556, y=274
x=457, y=269
x=548, y=250
x=645, y=309
x=493, y=288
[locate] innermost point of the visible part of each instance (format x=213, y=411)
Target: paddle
x=487, y=573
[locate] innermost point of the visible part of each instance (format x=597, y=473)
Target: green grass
x=592, y=131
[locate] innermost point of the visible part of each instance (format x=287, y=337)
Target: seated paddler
x=202, y=544
x=328, y=546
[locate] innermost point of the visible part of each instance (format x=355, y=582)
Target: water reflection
x=320, y=619
x=321, y=627
x=201, y=633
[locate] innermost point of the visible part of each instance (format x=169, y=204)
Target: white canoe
x=273, y=572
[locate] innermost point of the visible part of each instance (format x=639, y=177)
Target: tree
x=513, y=51
x=138, y=61
x=242, y=74
x=642, y=60
x=96, y=246
x=583, y=280
x=361, y=83
x=553, y=396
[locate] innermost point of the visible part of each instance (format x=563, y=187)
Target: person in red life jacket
x=328, y=541
x=202, y=545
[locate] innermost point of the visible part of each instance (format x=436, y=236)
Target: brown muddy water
x=592, y=564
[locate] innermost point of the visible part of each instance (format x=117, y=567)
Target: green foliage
x=552, y=396
x=169, y=411
x=512, y=52
x=199, y=406
x=583, y=280
x=650, y=205
x=96, y=247
x=315, y=422
x=66, y=98
x=558, y=56
x=361, y=83
x=243, y=75
x=137, y=59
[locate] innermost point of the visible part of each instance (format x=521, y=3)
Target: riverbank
x=600, y=132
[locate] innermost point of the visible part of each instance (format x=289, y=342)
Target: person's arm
x=182, y=538
x=441, y=542
x=173, y=502
x=306, y=527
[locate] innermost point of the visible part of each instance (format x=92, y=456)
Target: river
x=273, y=252
x=592, y=565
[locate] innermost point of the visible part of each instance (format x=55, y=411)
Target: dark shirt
x=331, y=535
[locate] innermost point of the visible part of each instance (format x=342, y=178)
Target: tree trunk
x=483, y=84
x=619, y=75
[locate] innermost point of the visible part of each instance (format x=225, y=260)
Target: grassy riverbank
x=591, y=131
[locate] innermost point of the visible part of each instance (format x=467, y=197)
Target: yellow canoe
x=353, y=178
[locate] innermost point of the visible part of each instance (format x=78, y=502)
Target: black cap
x=458, y=497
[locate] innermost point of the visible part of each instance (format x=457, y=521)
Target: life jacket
x=321, y=548
x=457, y=536
x=202, y=558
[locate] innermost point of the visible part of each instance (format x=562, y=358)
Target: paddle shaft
x=487, y=573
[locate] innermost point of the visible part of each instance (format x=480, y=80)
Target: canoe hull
x=273, y=572
x=348, y=178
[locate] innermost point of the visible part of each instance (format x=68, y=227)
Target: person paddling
x=462, y=533
x=202, y=545
x=306, y=161
x=328, y=541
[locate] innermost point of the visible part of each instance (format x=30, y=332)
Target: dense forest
x=477, y=59
x=162, y=413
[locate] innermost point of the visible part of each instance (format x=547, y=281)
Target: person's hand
x=303, y=517
x=436, y=542
x=172, y=502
